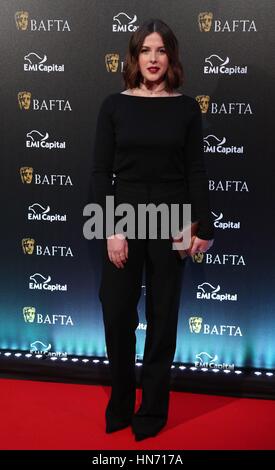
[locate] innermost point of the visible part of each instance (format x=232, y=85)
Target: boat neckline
x=150, y=98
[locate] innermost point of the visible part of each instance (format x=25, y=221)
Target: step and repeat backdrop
x=59, y=61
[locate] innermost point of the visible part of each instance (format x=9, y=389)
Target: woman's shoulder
x=192, y=106
x=109, y=98
x=107, y=103
x=111, y=101
x=191, y=100
x=125, y=92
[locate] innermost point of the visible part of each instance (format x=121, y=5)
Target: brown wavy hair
x=174, y=75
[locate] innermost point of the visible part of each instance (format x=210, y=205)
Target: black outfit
x=154, y=146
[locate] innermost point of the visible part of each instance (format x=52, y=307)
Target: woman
x=150, y=137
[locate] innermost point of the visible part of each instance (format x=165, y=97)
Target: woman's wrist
x=116, y=235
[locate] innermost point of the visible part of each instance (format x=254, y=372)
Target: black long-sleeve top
x=143, y=139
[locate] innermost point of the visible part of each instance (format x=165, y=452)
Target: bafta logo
x=26, y=173
x=195, y=324
x=205, y=21
x=21, y=20
x=29, y=314
x=203, y=101
x=111, y=62
x=198, y=257
x=24, y=99
x=28, y=246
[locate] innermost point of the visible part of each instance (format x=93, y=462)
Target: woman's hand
x=199, y=245
x=117, y=247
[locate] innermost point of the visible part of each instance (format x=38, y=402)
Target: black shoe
x=141, y=437
x=117, y=427
x=147, y=426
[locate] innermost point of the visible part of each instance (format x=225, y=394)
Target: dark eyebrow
x=148, y=47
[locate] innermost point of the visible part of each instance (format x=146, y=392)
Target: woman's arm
x=102, y=177
x=103, y=157
x=197, y=180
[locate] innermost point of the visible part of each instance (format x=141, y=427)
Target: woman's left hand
x=199, y=245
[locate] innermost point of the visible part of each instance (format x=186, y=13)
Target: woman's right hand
x=117, y=247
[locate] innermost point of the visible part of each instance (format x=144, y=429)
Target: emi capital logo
x=40, y=213
x=26, y=102
x=37, y=63
x=209, y=361
x=123, y=23
x=214, y=145
x=234, y=108
x=217, y=65
x=31, y=316
x=28, y=176
x=208, y=292
x=225, y=225
x=39, y=140
x=197, y=326
x=30, y=247
x=25, y=23
x=43, y=349
x=39, y=282
x=207, y=23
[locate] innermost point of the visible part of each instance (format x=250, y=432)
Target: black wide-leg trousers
x=119, y=293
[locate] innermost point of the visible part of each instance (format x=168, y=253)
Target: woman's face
x=153, y=54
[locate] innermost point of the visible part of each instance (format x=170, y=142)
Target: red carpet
x=43, y=415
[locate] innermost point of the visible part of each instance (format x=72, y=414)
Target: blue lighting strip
x=104, y=361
